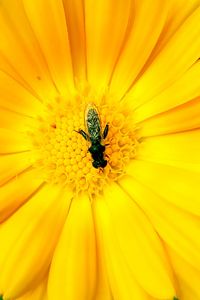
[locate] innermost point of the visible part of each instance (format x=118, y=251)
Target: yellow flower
x=128, y=230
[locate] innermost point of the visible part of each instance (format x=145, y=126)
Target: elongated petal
x=186, y=88
x=75, y=20
x=35, y=227
x=17, y=191
x=73, y=269
x=174, y=184
x=12, y=165
x=21, y=52
x=103, y=291
x=51, y=32
x=15, y=121
x=122, y=282
x=183, y=154
x=14, y=97
x=179, y=11
x=185, y=117
x=39, y=293
x=140, y=245
x=176, y=227
x=142, y=37
x=161, y=74
x=13, y=141
x=187, y=277
x=107, y=26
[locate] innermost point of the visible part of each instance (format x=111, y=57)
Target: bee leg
x=105, y=132
x=100, y=170
x=84, y=134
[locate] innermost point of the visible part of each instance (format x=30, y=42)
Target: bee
x=94, y=136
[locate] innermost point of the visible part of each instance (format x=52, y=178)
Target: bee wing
x=92, y=122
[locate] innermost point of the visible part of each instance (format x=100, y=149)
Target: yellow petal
x=33, y=231
x=179, y=11
x=75, y=20
x=122, y=282
x=178, y=228
x=139, y=244
x=184, y=89
x=39, y=293
x=51, y=32
x=73, y=270
x=13, y=141
x=172, y=148
x=149, y=19
x=187, y=277
x=19, y=190
x=103, y=291
x=185, y=117
x=161, y=74
x=20, y=51
x=12, y=165
x=176, y=185
x=15, y=121
x=14, y=97
x=107, y=24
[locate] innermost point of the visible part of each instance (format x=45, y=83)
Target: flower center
x=63, y=154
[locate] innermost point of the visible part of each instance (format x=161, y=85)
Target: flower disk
x=63, y=154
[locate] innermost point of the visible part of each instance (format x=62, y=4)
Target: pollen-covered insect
x=94, y=136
